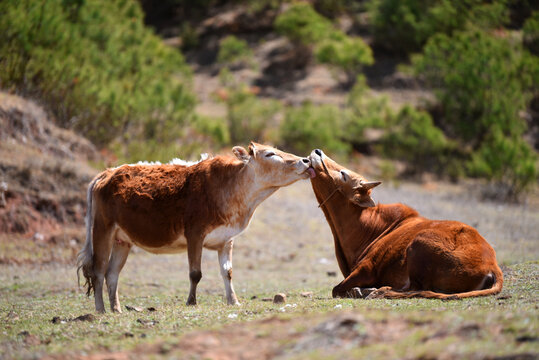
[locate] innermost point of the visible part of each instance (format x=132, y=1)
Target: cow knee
x=195, y=276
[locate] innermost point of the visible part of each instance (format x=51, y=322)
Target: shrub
x=364, y=111
x=304, y=26
x=530, y=32
x=248, y=117
x=413, y=137
x=348, y=54
x=233, y=50
x=313, y=126
x=406, y=25
x=95, y=65
x=482, y=83
x=508, y=161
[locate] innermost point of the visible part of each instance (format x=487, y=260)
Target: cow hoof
x=191, y=302
x=378, y=293
x=355, y=293
x=367, y=291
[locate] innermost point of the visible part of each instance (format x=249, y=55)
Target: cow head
x=274, y=168
x=331, y=177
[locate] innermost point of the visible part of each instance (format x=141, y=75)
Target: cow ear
x=252, y=149
x=241, y=153
x=363, y=200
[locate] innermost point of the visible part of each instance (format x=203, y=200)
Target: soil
x=44, y=171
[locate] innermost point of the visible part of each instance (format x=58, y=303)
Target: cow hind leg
x=102, y=243
x=120, y=251
x=225, y=266
x=194, y=255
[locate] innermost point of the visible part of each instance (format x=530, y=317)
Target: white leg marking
x=225, y=266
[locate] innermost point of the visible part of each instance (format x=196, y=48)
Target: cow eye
x=270, y=154
x=343, y=173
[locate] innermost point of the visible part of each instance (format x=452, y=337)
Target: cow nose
x=318, y=152
x=305, y=161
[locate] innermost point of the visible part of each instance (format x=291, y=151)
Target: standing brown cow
x=392, y=248
x=177, y=207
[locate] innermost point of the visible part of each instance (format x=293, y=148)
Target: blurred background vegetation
x=121, y=73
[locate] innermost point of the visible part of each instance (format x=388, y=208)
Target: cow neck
x=356, y=227
x=256, y=193
x=247, y=193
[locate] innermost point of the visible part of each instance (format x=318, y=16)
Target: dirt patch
x=44, y=172
x=324, y=335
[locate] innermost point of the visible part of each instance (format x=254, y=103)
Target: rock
x=3, y=190
x=331, y=273
x=307, y=294
x=133, y=308
x=279, y=298
x=86, y=317
x=147, y=322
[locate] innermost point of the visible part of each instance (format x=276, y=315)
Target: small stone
x=307, y=294
x=151, y=309
x=279, y=298
x=133, y=308
x=86, y=317
x=331, y=273
x=147, y=322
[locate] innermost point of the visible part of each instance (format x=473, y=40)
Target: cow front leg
x=225, y=266
x=361, y=277
x=194, y=255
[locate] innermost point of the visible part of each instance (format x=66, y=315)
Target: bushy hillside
x=299, y=74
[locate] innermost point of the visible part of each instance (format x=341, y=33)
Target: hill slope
x=44, y=171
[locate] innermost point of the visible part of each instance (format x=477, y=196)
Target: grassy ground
x=288, y=248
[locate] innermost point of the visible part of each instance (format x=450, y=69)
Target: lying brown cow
x=175, y=207
x=392, y=248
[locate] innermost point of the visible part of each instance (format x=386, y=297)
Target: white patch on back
x=178, y=161
x=175, y=161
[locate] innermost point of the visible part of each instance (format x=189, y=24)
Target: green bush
x=506, y=160
x=406, y=25
x=313, y=126
x=233, y=50
x=364, y=111
x=530, y=32
x=348, y=54
x=412, y=136
x=248, y=117
x=304, y=26
x=482, y=83
x=95, y=65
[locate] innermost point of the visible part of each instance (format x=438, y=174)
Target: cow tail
x=393, y=294
x=85, y=256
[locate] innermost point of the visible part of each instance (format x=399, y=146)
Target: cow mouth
x=316, y=162
x=311, y=172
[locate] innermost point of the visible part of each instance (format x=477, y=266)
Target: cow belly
x=177, y=246
x=218, y=236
